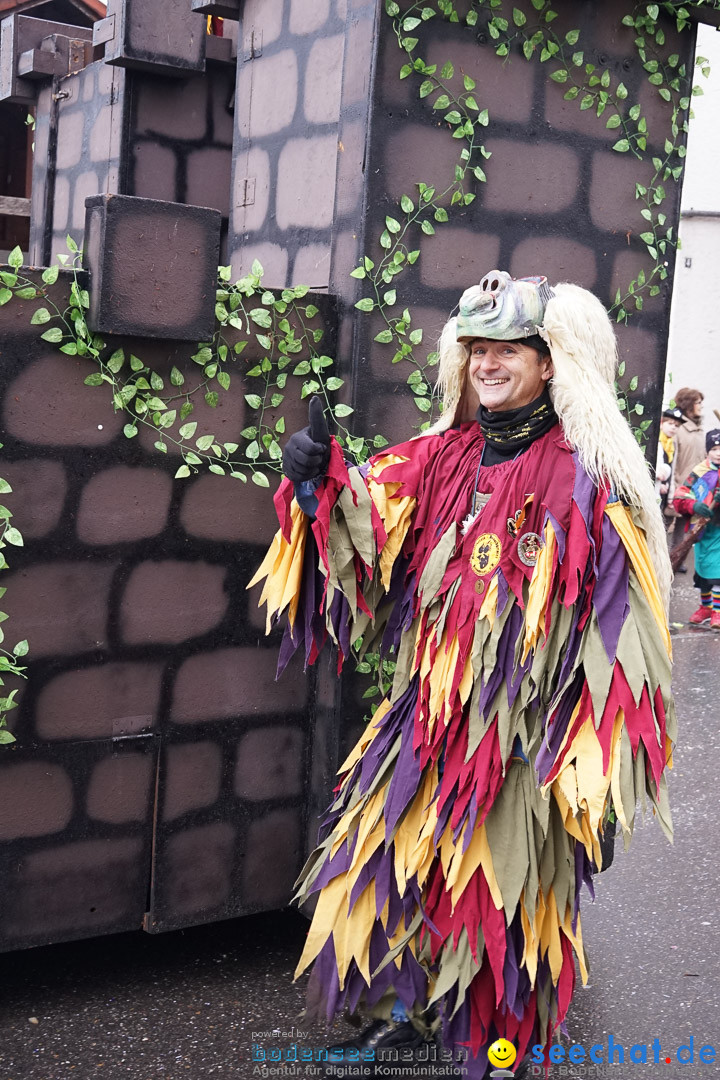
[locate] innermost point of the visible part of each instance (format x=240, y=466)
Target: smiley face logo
x=502, y=1053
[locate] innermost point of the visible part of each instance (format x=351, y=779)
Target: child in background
x=669, y=424
x=698, y=498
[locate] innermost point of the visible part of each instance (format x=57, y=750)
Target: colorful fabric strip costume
x=531, y=696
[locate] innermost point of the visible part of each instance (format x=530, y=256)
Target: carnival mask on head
x=502, y=308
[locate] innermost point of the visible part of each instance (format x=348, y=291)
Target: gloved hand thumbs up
x=307, y=452
x=319, y=430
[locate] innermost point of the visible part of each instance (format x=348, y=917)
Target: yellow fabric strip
x=282, y=569
x=539, y=592
x=488, y=608
x=369, y=733
x=331, y=909
x=396, y=514
x=636, y=546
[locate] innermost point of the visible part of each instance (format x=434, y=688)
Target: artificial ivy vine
x=529, y=33
x=279, y=332
x=9, y=660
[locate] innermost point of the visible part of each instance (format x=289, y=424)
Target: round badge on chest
x=529, y=546
x=485, y=554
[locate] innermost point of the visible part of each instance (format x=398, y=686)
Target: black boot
x=384, y=1043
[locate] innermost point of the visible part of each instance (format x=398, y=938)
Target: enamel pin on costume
x=529, y=546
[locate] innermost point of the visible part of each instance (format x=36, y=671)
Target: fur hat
x=583, y=348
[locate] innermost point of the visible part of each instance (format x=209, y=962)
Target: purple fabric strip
x=406, y=779
x=556, y=728
x=559, y=533
x=610, y=597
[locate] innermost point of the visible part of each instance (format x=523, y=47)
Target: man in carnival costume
x=516, y=565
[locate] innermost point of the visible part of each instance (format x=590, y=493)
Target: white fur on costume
x=584, y=353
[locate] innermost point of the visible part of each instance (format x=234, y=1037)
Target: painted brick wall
x=159, y=768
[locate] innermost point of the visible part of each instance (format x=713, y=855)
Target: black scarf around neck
x=509, y=433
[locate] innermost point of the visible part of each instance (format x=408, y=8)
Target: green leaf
x=261, y=317
x=407, y=204
x=384, y=336
x=212, y=399
x=205, y=442
x=426, y=88
x=182, y=472
x=302, y=368
x=392, y=225
x=442, y=102
x=390, y=297
x=572, y=37
x=15, y=258
x=167, y=419
x=428, y=228
x=188, y=430
x=366, y=304
x=260, y=479
x=42, y=315
x=559, y=76
x=13, y=536
x=116, y=361
x=343, y=410
x=622, y=146
x=447, y=71
x=130, y=431
x=50, y=275
x=358, y=272
x=614, y=121
x=519, y=17
x=95, y=379
x=21, y=649
x=253, y=400
x=334, y=383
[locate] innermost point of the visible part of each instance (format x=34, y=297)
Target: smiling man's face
x=507, y=374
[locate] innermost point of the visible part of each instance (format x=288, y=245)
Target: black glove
x=702, y=510
x=307, y=452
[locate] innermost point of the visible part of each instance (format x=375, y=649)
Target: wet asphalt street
x=191, y=1004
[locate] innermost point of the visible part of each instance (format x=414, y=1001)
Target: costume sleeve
x=328, y=577
x=685, y=497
